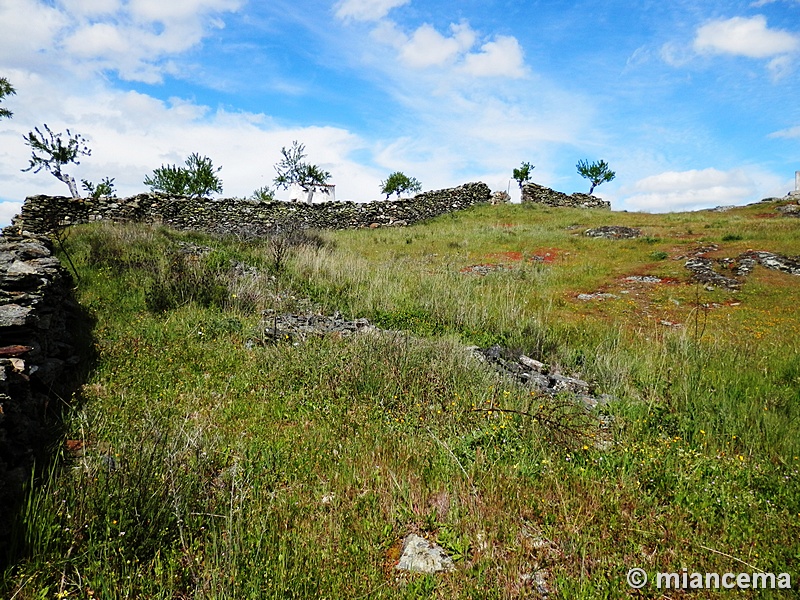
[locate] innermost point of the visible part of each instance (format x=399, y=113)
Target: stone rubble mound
x=703, y=271
x=614, y=232
x=301, y=326
x=539, y=376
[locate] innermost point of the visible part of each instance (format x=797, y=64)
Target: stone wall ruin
x=46, y=214
x=538, y=194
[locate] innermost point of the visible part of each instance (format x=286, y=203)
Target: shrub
x=186, y=278
x=199, y=178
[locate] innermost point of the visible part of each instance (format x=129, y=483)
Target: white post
x=797, y=183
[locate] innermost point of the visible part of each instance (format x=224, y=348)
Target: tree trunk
x=73, y=189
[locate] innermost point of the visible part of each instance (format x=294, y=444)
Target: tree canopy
x=6, y=89
x=596, y=172
x=523, y=174
x=399, y=183
x=51, y=153
x=292, y=169
x=199, y=178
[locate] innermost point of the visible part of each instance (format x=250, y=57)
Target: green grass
x=199, y=463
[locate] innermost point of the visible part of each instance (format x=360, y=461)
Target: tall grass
x=202, y=462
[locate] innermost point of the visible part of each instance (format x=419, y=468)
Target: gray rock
x=643, y=279
x=613, y=232
x=421, y=556
x=597, y=296
x=703, y=271
x=14, y=315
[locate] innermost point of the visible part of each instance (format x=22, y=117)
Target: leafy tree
x=597, y=172
x=263, y=194
x=104, y=188
x=293, y=171
x=199, y=178
x=49, y=152
x=6, y=89
x=398, y=183
x=523, y=174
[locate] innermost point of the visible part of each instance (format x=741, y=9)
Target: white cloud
x=761, y=3
x=176, y=11
x=500, y=58
x=29, y=29
x=366, y=10
x=696, y=189
x=428, y=48
x=130, y=134
x=90, y=8
x=135, y=39
x=743, y=36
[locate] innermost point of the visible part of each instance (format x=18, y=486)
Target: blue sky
x=693, y=104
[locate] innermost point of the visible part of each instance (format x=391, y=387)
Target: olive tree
x=292, y=170
x=523, y=174
x=399, y=183
x=197, y=179
x=597, y=172
x=6, y=89
x=50, y=151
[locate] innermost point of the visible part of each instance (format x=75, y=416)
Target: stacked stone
x=35, y=297
x=539, y=194
x=46, y=214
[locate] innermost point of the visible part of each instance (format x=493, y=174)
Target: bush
x=199, y=178
x=186, y=278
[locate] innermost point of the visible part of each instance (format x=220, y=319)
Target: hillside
x=222, y=446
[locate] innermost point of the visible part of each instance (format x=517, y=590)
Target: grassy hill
x=204, y=458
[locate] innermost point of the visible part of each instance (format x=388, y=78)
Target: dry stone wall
x=45, y=214
x=539, y=194
x=39, y=347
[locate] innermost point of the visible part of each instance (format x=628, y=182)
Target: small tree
x=104, y=188
x=597, y=172
x=523, y=174
x=199, y=178
x=6, y=89
x=399, y=183
x=293, y=171
x=263, y=194
x=49, y=152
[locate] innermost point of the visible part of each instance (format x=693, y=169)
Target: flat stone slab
x=14, y=315
x=421, y=556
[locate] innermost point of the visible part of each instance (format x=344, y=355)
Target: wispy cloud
x=366, y=10
x=792, y=132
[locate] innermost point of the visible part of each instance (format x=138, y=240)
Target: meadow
x=204, y=458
